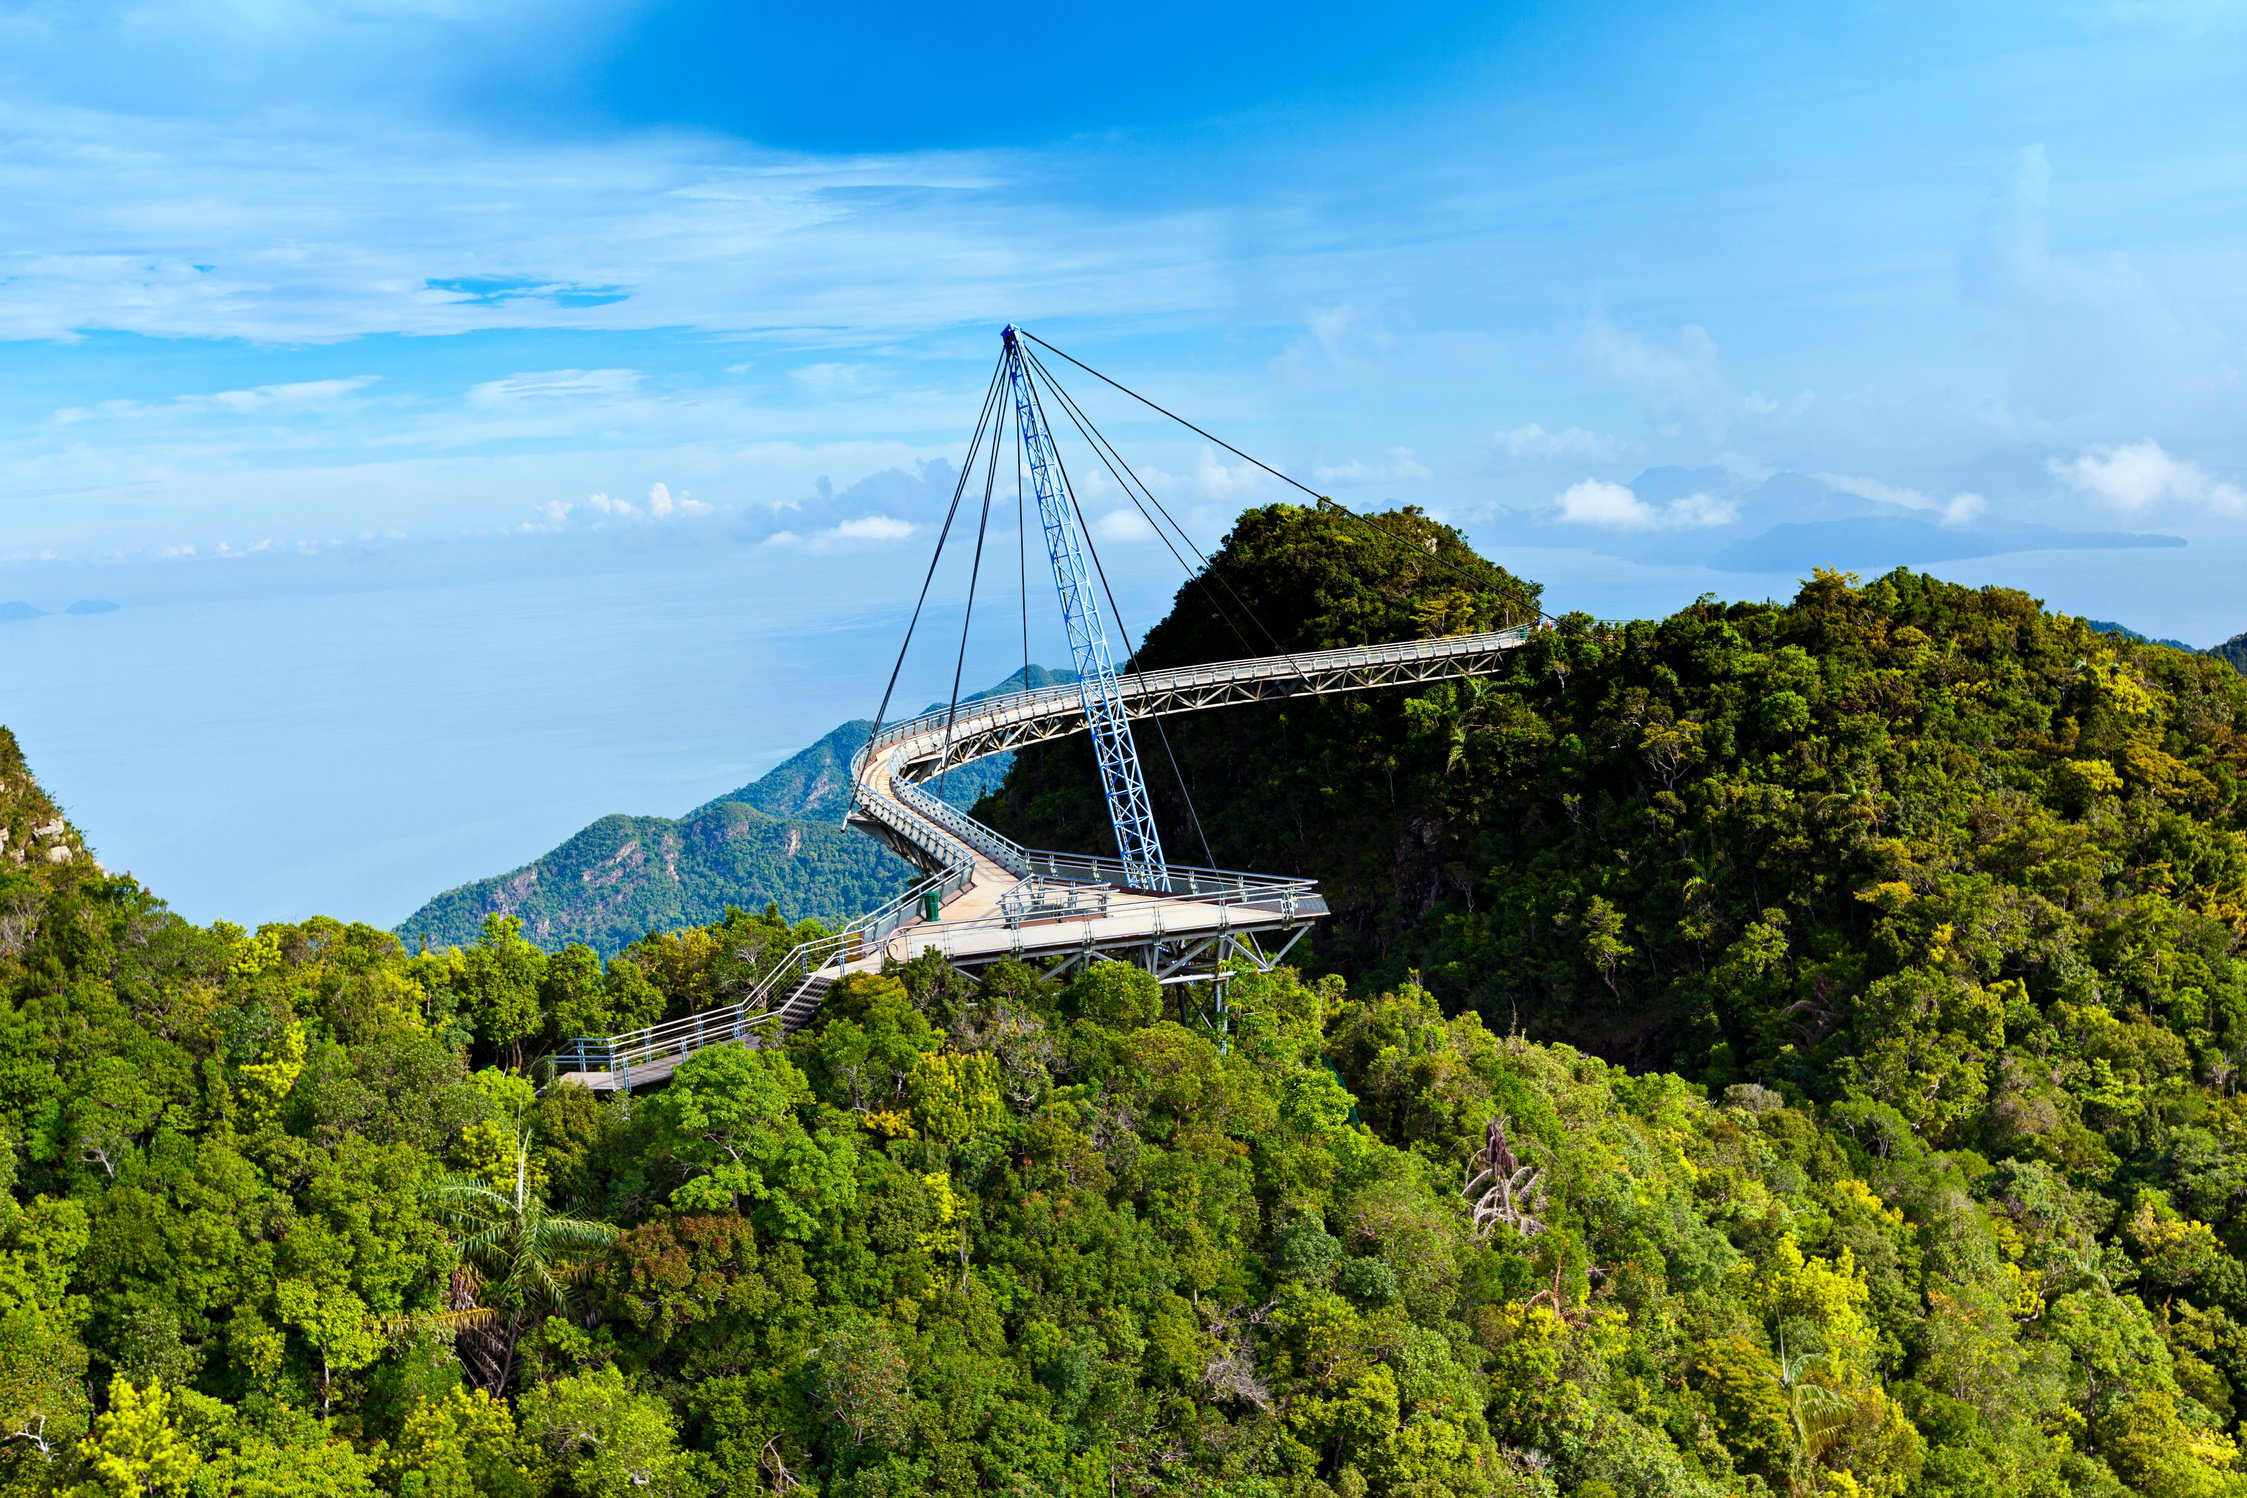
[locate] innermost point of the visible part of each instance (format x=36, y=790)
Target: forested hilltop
x=1931, y=901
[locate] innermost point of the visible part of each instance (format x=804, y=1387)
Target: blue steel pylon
x=1137, y=843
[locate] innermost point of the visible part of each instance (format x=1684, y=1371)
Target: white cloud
x=1700, y=510
x=1959, y=509
x=1342, y=337
x=1397, y=464
x=1613, y=507
x=866, y=529
x=1756, y=403
x=296, y=396
x=1875, y=489
x=872, y=528
x=2134, y=475
x=335, y=228
x=1681, y=379
x=1597, y=502
x=1533, y=441
x=828, y=380
x=1212, y=480
x=556, y=385
x=2089, y=334
x=1125, y=527
x=299, y=398
x=662, y=504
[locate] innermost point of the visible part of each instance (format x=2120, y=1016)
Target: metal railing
x=931, y=824
x=738, y=1021
x=1289, y=899
x=1137, y=685
x=1038, y=899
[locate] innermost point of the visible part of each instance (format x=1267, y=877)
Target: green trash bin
x=932, y=906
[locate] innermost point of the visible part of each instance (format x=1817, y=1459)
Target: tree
x=525, y=1258
x=728, y=1120
x=1503, y=1190
x=42, y=1395
x=863, y=1383
x=461, y=1446
x=500, y=977
x=605, y=1440
x=135, y=1447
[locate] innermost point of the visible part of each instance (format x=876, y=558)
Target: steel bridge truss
x=1001, y=900
x=1122, y=783
x=1196, y=958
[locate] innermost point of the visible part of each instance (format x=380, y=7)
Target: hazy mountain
x=1870, y=543
x=2109, y=627
x=778, y=839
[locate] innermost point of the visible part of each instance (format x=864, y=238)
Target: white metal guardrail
x=1289, y=899
x=1157, y=693
x=889, y=774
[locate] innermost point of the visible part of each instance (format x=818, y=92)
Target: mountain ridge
x=778, y=840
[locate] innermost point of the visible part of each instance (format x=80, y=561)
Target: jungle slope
x=282, y=1217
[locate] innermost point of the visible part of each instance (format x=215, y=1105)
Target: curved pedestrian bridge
x=984, y=897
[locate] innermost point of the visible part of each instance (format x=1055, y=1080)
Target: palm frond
x=573, y=1232
x=462, y=1184
x=451, y=1321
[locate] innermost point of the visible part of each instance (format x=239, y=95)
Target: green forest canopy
x=1905, y=918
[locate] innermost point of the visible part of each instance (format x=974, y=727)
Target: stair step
x=804, y=1002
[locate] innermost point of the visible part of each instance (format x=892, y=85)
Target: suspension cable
x=1137, y=669
x=967, y=466
x=1126, y=479
x=1022, y=553
x=1324, y=499
x=974, y=576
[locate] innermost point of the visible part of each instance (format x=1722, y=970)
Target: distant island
x=18, y=609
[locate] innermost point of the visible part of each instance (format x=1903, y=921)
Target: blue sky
x=408, y=320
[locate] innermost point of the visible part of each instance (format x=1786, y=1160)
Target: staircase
x=804, y=1002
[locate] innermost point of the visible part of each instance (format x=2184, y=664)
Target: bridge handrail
x=812, y=957
x=603, y=1053
x=1076, y=868
x=933, y=814
x=736, y=1021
